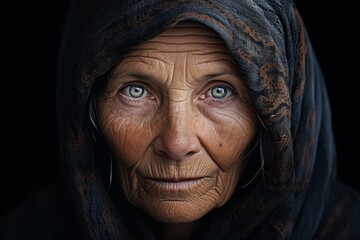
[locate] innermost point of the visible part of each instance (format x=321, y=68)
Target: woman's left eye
x=219, y=92
x=135, y=91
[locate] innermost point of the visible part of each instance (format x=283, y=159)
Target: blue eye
x=220, y=92
x=135, y=91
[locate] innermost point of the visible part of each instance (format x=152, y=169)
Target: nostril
x=175, y=148
x=177, y=137
x=162, y=154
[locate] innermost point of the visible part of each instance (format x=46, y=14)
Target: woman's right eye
x=135, y=91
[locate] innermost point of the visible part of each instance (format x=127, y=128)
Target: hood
x=269, y=42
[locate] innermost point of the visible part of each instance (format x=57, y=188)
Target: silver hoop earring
x=261, y=160
x=111, y=172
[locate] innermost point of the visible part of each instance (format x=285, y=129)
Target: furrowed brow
x=208, y=77
x=135, y=75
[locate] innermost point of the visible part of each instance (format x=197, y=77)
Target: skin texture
x=178, y=119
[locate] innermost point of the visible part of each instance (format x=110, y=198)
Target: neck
x=178, y=231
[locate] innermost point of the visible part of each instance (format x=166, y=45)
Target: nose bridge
x=179, y=124
x=179, y=104
x=178, y=138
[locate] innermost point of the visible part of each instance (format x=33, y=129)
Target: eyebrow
x=208, y=77
x=140, y=76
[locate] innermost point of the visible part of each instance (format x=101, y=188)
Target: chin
x=177, y=211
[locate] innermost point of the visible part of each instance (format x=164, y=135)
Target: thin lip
x=187, y=179
x=157, y=186
x=173, y=184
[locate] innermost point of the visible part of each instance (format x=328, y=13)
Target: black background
x=30, y=40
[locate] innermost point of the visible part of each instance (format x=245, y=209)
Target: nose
x=177, y=138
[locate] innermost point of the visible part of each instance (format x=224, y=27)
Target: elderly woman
x=197, y=120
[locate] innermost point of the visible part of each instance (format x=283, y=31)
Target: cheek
x=229, y=135
x=127, y=137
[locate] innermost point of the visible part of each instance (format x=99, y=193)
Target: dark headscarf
x=298, y=196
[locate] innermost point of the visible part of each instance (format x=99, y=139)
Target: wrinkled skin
x=179, y=122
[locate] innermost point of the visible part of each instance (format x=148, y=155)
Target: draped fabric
x=297, y=197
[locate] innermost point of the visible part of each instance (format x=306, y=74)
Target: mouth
x=175, y=184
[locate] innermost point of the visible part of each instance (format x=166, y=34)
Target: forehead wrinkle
x=142, y=58
x=217, y=65
x=136, y=75
x=220, y=61
x=174, y=47
x=130, y=66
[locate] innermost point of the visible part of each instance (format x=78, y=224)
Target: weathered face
x=177, y=117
